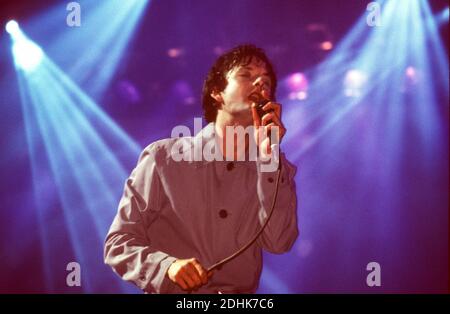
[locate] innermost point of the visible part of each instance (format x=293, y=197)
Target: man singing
x=177, y=218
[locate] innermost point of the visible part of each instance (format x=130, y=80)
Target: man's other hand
x=189, y=274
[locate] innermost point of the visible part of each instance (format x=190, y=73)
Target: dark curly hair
x=216, y=79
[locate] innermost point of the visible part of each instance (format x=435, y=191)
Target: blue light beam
x=72, y=141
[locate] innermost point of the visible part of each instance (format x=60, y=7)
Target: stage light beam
x=80, y=148
x=27, y=55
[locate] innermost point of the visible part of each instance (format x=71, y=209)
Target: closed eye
x=265, y=79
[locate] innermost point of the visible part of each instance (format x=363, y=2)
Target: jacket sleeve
x=281, y=230
x=127, y=249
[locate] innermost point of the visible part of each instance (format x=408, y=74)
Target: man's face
x=243, y=81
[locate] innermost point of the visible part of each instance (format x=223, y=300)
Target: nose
x=261, y=85
x=258, y=82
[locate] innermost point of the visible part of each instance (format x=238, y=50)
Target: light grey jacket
x=204, y=209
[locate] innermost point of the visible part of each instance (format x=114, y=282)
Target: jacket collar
x=199, y=141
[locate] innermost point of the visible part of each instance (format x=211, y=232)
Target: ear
x=217, y=97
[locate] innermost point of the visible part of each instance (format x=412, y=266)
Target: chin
x=240, y=110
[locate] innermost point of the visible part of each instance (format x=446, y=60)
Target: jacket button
x=270, y=180
x=223, y=213
x=230, y=166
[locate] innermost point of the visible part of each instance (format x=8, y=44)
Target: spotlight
x=410, y=72
x=12, y=27
x=297, y=82
x=354, y=82
x=326, y=45
x=412, y=76
x=27, y=55
x=297, y=85
x=302, y=95
x=174, y=52
x=319, y=36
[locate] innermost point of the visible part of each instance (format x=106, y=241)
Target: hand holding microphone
x=267, y=115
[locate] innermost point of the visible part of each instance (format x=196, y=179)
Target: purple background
x=347, y=216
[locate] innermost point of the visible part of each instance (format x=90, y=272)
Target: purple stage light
x=298, y=86
x=175, y=52
x=412, y=78
x=297, y=82
x=326, y=45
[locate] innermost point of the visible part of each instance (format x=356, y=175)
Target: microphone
x=259, y=108
x=260, y=103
